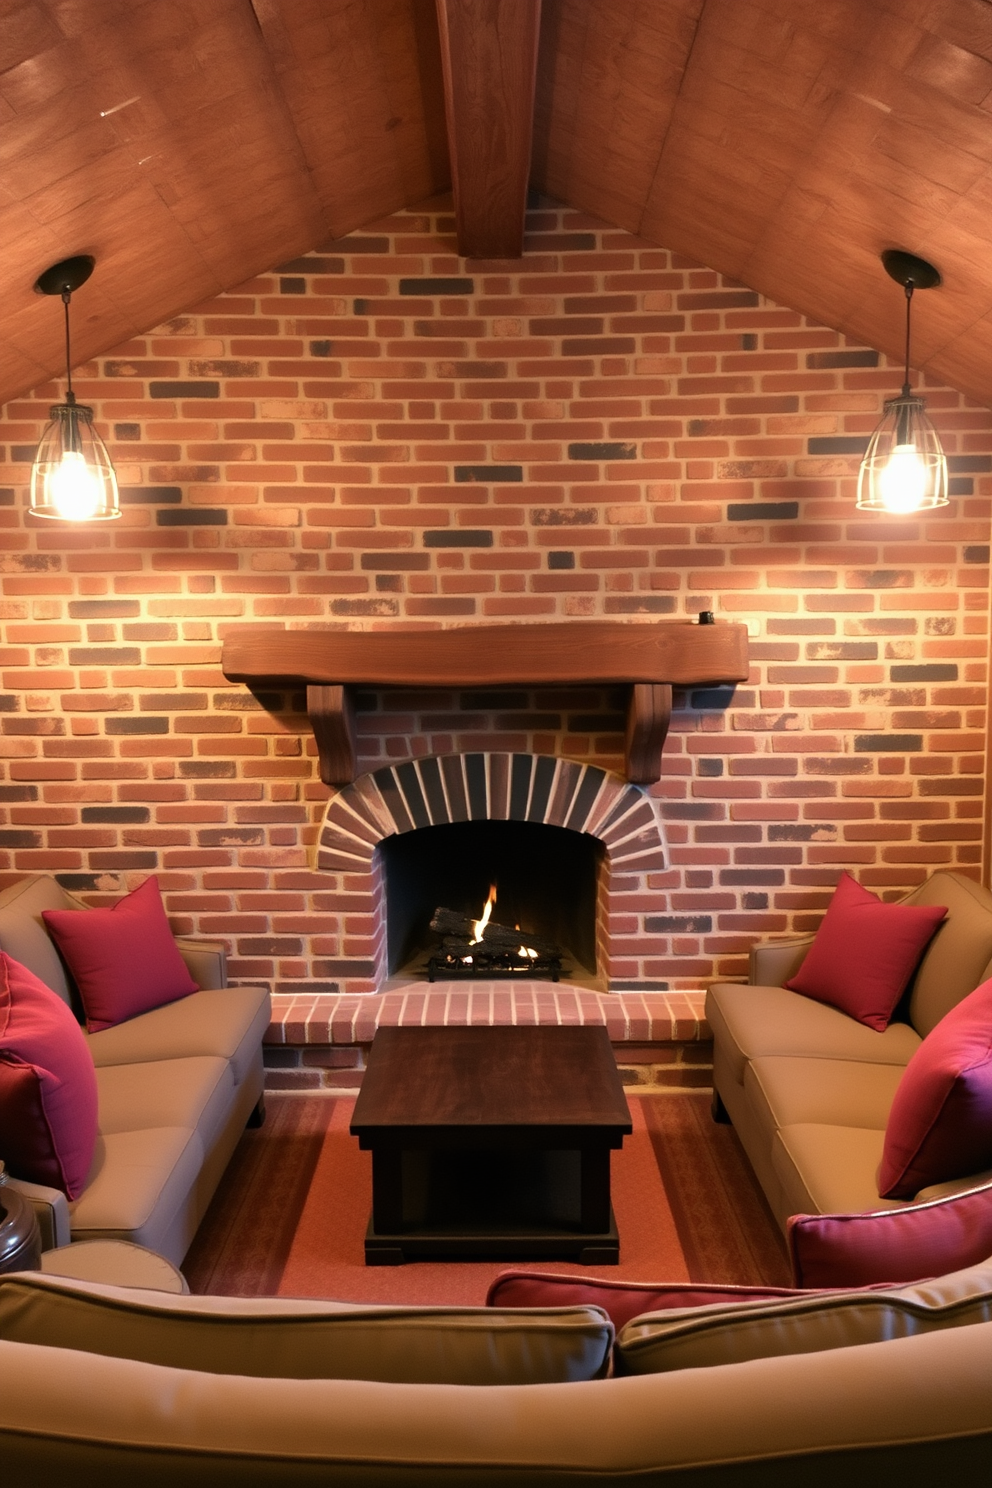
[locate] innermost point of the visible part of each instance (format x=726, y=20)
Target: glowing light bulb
x=75, y=490
x=902, y=484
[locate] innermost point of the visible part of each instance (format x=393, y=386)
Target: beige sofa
x=176, y=1087
x=98, y=1386
x=808, y=1089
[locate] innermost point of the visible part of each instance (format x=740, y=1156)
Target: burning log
x=460, y=927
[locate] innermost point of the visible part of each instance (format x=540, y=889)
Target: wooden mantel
x=649, y=658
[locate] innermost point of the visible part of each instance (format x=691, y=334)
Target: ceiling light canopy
x=904, y=467
x=72, y=478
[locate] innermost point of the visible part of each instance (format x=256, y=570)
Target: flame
x=526, y=951
x=478, y=926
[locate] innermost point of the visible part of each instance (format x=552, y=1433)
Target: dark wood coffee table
x=491, y=1142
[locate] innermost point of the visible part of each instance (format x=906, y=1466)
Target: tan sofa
x=97, y=1386
x=808, y=1089
x=176, y=1087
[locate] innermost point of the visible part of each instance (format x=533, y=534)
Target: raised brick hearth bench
x=319, y=1042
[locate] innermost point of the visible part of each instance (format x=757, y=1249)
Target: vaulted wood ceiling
x=190, y=144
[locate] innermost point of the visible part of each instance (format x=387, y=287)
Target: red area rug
x=289, y=1217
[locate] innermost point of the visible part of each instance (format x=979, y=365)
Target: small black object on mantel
x=707, y=617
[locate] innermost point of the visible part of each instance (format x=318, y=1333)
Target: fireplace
x=571, y=847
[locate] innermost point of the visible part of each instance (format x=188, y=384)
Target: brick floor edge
x=319, y=1041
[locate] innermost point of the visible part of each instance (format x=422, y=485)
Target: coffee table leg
x=387, y=1190
x=595, y=1196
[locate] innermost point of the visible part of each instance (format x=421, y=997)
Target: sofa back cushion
x=22, y=930
x=290, y=1339
x=733, y=1333
x=955, y=961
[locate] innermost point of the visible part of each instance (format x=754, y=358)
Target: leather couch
x=100, y=1387
x=808, y=1089
x=176, y=1087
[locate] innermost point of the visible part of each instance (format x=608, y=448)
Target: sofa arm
x=50, y=1207
x=773, y=962
x=206, y=962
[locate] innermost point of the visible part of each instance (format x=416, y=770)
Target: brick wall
x=381, y=433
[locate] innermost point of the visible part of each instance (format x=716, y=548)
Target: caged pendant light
x=72, y=478
x=904, y=467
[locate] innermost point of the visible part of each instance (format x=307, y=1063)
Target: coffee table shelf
x=491, y=1142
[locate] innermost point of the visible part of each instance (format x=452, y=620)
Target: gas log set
x=485, y=948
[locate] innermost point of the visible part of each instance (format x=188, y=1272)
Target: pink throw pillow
x=892, y=1246
x=940, y=1122
x=865, y=952
x=47, y=1084
x=620, y=1300
x=123, y=959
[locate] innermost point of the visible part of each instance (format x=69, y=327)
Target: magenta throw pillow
x=620, y=1300
x=865, y=952
x=47, y=1084
x=940, y=1122
x=123, y=959
x=892, y=1246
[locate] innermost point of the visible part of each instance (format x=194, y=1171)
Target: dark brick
x=396, y=562
x=343, y=968
x=754, y=901
x=437, y=286
x=290, y=284
x=561, y=560
x=127, y=431
x=104, y=656
x=314, y=264
x=749, y=342
x=562, y=242
x=7, y=496
x=823, y=359
x=564, y=516
x=840, y=444
x=935, y=671
x=137, y=725
x=197, y=516
x=354, y=244
x=273, y=945
x=379, y=607
x=711, y=697
x=976, y=553
x=716, y=299
x=709, y=768
x=322, y=348
x=771, y=877
x=804, y=832
x=18, y=793
x=77, y=882
x=122, y=814
x=888, y=743
x=208, y=769
x=762, y=511
x=973, y=464
x=9, y=702
x=103, y=609
x=595, y=723
x=489, y=473
x=700, y=924
x=466, y=538
x=123, y=862
x=184, y=389
x=603, y=450
x=13, y=838
x=960, y=485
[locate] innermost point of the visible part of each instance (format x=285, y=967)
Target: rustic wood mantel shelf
x=649, y=658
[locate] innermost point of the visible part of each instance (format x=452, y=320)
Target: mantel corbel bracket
x=647, y=658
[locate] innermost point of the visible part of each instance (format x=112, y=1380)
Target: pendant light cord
x=909, y=301
x=70, y=396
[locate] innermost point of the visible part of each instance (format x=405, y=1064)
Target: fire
x=478, y=926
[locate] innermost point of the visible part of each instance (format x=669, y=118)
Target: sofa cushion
x=620, y=1300
x=940, y=1125
x=227, y=1022
x=784, y=1091
x=750, y=1021
x=138, y=1182
x=734, y=1332
x=48, y=1091
x=826, y=1169
x=297, y=1339
x=123, y=960
x=865, y=952
x=893, y=1245
x=957, y=958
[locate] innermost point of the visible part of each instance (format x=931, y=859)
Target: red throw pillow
x=940, y=1122
x=865, y=952
x=123, y=959
x=621, y=1300
x=47, y=1084
x=892, y=1246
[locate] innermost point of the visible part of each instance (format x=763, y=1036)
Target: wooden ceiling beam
x=489, y=59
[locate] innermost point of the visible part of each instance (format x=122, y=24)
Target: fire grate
x=485, y=948
x=465, y=960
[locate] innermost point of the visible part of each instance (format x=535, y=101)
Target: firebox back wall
x=383, y=434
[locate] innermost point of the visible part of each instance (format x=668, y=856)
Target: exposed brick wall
x=380, y=434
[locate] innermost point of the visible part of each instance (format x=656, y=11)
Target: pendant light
x=904, y=467
x=72, y=478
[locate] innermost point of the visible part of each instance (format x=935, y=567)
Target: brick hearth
x=320, y=1042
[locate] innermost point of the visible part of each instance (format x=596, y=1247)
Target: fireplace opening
x=546, y=884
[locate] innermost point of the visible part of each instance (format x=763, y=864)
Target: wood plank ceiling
x=191, y=145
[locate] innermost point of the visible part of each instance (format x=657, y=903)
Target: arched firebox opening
x=546, y=882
